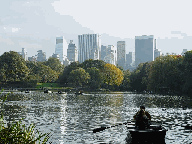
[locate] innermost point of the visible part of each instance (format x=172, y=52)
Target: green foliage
x=78, y=77
x=18, y=133
x=99, y=64
x=166, y=72
x=42, y=73
x=63, y=78
x=126, y=81
x=12, y=68
x=54, y=64
x=139, y=77
x=95, y=81
x=112, y=75
x=48, y=85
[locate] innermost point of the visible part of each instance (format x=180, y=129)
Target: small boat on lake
x=154, y=134
x=47, y=91
x=27, y=91
x=61, y=92
x=79, y=92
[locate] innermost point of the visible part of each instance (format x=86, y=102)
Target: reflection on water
x=71, y=118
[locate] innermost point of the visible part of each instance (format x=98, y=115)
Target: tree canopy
x=12, y=68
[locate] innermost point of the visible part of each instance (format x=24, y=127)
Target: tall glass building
x=88, y=47
x=61, y=48
x=144, y=50
x=121, y=53
x=72, y=52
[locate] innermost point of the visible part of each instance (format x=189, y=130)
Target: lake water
x=71, y=118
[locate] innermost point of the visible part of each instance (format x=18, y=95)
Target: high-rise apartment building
x=144, y=51
x=72, y=52
x=41, y=56
x=111, y=54
x=23, y=54
x=33, y=58
x=61, y=48
x=183, y=52
x=55, y=56
x=88, y=47
x=121, y=53
x=103, y=52
x=129, y=58
x=157, y=52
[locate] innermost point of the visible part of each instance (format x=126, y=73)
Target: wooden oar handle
x=103, y=128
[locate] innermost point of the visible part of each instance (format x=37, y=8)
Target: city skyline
x=34, y=25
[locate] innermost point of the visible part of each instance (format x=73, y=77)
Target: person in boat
x=142, y=118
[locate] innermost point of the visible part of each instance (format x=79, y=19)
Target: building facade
x=183, y=52
x=88, y=47
x=157, y=52
x=103, y=52
x=111, y=55
x=61, y=48
x=72, y=54
x=23, y=54
x=55, y=56
x=33, y=58
x=144, y=50
x=41, y=56
x=121, y=53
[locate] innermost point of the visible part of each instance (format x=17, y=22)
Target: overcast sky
x=33, y=24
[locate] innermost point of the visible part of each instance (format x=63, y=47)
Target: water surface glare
x=71, y=118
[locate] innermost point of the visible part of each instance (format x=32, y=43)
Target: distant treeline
x=170, y=73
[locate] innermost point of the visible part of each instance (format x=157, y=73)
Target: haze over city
x=34, y=25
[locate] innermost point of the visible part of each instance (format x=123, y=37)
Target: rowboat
x=79, y=93
x=27, y=91
x=61, y=92
x=47, y=91
x=154, y=134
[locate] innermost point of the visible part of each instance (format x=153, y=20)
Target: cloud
x=7, y=41
x=15, y=29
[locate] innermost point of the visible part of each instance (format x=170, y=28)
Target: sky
x=34, y=24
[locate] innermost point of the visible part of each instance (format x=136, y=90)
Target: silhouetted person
x=142, y=118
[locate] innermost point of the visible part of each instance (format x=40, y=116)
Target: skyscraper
x=72, y=52
x=88, y=47
x=157, y=52
x=121, y=53
x=23, y=54
x=103, y=51
x=41, y=56
x=183, y=52
x=111, y=55
x=144, y=51
x=61, y=48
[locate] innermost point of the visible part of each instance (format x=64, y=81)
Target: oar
x=103, y=128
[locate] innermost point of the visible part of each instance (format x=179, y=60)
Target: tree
x=166, y=72
x=95, y=78
x=99, y=64
x=78, y=77
x=54, y=64
x=187, y=73
x=42, y=73
x=139, y=77
x=63, y=78
x=126, y=80
x=12, y=68
x=112, y=75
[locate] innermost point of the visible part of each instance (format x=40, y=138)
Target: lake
x=71, y=118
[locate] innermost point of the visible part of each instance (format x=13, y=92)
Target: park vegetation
x=170, y=73
x=19, y=133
